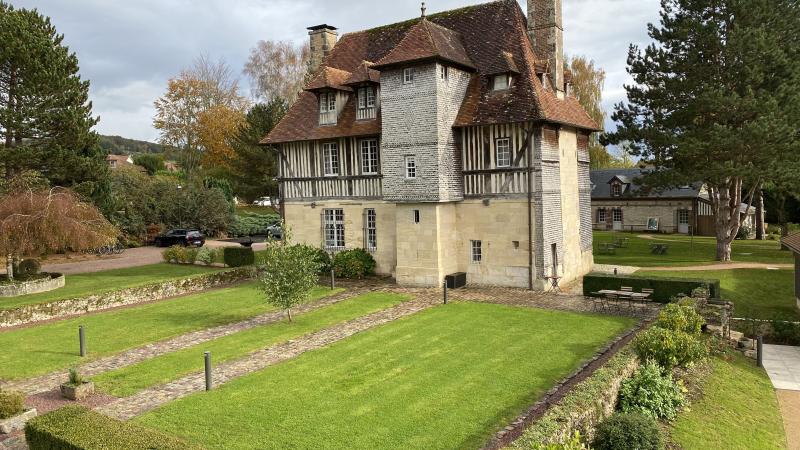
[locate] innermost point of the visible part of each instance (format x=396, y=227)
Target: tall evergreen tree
x=716, y=98
x=45, y=112
x=254, y=167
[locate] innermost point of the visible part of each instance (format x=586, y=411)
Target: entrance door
x=683, y=221
x=617, y=216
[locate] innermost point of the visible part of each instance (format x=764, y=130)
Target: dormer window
x=366, y=103
x=327, y=108
x=616, y=189
x=501, y=82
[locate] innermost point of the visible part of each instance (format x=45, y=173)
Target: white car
x=263, y=201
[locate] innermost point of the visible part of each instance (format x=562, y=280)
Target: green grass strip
x=129, y=380
x=447, y=377
x=83, y=284
x=37, y=350
x=738, y=410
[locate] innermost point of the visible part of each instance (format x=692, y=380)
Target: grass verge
x=41, y=349
x=165, y=368
x=447, y=377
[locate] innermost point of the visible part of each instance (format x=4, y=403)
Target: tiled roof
x=485, y=32
x=792, y=242
x=329, y=77
x=426, y=40
x=364, y=73
x=504, y=63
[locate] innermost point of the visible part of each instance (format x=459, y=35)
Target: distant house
x=620, y=203
x=793, y=244
x=117, y=161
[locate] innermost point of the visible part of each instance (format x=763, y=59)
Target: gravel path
x=721, y=266
x=790, y=410
x=52, y=380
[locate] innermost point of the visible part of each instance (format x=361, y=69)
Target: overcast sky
x=129, y=49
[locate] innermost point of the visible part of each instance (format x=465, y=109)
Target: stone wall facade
x=151, y=292
x=636, y=212
x=54, y=281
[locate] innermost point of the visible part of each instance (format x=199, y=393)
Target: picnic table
x=659, y=249
x=621, y=242
x=608, y=248
x=631, y=297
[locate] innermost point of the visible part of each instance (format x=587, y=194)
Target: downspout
x=530, y=211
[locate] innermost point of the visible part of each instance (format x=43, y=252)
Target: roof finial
x=423, y=10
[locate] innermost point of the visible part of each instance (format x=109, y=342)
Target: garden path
x=53, y=380
x=723, y=266
x=782, y=363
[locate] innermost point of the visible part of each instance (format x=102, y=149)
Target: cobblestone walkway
x=126, y=408
x=52, y=380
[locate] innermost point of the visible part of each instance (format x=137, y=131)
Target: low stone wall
x=54, y=281
x=147, y=293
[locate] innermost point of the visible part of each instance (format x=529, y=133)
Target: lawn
x=685, y=251
x=41, y=349
x=756, y=293
x=110, y=280
x=738, y=410
x=129, y=380
x=448, y=377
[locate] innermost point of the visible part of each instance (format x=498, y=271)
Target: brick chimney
x=546, y=33
x=322, y=39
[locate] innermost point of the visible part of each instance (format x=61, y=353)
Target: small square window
x=416, y=216
x=411, y=167
x=501, y=82
x=477, y=252
x=408, y=75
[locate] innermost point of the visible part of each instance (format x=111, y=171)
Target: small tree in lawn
x=40, y=222
x=288, y=273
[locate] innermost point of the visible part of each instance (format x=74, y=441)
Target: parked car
x=180, y=237
x=275, y=231
x=264, y=201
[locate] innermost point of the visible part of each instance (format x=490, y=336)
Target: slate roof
x=477, y=35
x=601, y=186
x=792, y=242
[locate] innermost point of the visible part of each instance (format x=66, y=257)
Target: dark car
x=181, y=237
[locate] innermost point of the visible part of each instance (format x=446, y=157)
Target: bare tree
x=35, y=223
x=277, y=69
x=587, y=86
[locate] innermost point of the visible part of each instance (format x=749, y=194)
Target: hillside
x=118, y=145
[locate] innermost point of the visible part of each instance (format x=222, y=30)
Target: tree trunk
x=759, y=200
x=725, y=201
x=10, y=266
x=289, y=314
x=723, y=250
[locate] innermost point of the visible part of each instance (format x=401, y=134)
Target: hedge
x=663, y=288
x=238, y=256
x=79, y=428
x=252, y=224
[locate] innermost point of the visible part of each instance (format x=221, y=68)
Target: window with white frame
x=327, y=108
x=477, y=251
x=411, y=167
x=501, y=82
x=370, y=230
x=330, y=158
x=616, y=189
x=366, y=103
x=617, y=215
x=408, y=75
x=369, y=156
x=333, y=228
x=503, y=150
x=683, y=216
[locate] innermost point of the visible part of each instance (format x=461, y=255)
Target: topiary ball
x=28, y=268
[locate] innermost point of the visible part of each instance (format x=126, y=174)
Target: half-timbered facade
x=448, y=143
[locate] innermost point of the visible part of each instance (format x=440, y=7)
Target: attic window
x=327, y=108
x=616, y=189
x=408, y=75
x=501, y=82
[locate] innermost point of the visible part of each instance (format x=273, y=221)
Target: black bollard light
x=615, y=270
x=445, y=291
x=207, y=356
x=82, y=340
x=760, y=351
x=333, y=282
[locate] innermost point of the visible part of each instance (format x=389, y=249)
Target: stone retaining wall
x=147, y=293
x=54, y=281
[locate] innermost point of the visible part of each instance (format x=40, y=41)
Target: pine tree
x=45, y=113
x=716, y=98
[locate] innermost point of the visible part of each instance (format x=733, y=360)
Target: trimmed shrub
x=321, y=257
x=28, y=268
x=669, y=348
x=238, y=256
x=170, y=255
x=79, y=428
x=626, y=432
x=251, y=224
x=663, y=288
x=188, y=255
x=652, y=393
x=207, y=255
x=784, y=332
x=12, y=403
x=355, y=263
x=678, y=317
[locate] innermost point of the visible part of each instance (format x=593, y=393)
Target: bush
x=11, y=404
x=626, y=432
x=677, y=317
x=664, y=288
x=28, y=268
x=574, y=443
x=669, y=348
x=188, y=255
x=207, y=255
x=784, y=332
x=251, y=224
x=79, y=428
x=180, y=255
x=355, y=263
x=170, y=254
x=238, y=256
x=75, y=377
x=652, y=393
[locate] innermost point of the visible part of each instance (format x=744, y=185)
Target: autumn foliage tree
x=277, y=70
x=217, y=128
x=39, y=222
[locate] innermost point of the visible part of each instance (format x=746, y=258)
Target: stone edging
x=517, y=427
x=140, y=294
x=53, y=281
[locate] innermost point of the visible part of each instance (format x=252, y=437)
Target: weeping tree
x=40, y=222
x=716, y=98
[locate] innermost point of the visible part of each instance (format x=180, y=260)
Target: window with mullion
x=330, y=157
x=371, y=236
x=369, y=156
x=503, y=151
x=334, y=228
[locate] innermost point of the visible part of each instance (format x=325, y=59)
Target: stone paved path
x=52, y=380
x=146, y=400
x=782, y=363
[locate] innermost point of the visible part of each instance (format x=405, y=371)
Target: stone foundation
x=15, y=423
x=54, y=281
